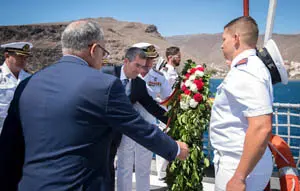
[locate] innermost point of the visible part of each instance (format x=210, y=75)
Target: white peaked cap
x=277, y=59
x=148, y=48
x=20, y=48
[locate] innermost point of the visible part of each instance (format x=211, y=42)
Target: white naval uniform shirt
x=157, y=85
x=245, y=92
x=170, y=73
x=158, y=88
x=8, y=84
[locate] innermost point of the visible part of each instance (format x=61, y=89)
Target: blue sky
x=171, y=17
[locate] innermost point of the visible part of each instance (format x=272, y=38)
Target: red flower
x=184, y=88
x=199, y=84
x=198, y=97
x=200, y=68
x=187, y=75
x=193, y=70
x=187, y=92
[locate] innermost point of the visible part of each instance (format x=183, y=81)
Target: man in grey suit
x=60, y=124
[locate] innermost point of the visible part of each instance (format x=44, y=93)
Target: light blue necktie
x=125, y=82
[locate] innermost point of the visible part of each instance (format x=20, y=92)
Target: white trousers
x=161, y=166
x=257, y=180
x=161, y=163
x=129, y=153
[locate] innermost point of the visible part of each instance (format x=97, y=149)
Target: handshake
x=184, y=150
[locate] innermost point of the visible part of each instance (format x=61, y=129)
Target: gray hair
x=132, y=52
x=78, y=35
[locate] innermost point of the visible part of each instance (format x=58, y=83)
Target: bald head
x=246, y=28
x=78, y=35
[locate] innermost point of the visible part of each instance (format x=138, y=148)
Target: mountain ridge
x=120, y=35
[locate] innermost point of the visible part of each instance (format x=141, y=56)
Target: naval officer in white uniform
x=173, y=56
x=241, y=116
x=12, y=73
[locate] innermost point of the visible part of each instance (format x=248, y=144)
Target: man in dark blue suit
x=136, y=89
x=60, y=124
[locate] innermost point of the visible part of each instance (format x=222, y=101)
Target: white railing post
x=289, y=125
x=276, y=120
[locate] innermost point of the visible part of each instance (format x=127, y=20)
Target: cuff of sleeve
x=257, y=112
x=178, y=150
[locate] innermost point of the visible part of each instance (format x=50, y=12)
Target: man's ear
x=126, y=60
x=6, y=55
x=93, y=50
x=237, y=40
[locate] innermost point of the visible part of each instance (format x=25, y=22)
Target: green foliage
x=188, y=125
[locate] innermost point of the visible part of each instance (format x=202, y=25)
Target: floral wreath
x=189, y=117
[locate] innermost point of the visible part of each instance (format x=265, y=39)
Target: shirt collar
x=122, y=75
x=6, y=71
x=170, y=67
x=242, y=55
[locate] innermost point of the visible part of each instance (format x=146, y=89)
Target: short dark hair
x=247, y=27
x=173, y=50
x=132, y=52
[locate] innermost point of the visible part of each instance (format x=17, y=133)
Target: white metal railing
x=286, y=117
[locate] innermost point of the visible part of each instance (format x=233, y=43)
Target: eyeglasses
x=105, y=53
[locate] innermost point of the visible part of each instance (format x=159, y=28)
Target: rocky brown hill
x=119, y=35
x=206, y=48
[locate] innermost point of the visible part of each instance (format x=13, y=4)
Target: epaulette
x=158, y=72
x=165, y=69
x=242, y=62
x=1, y=76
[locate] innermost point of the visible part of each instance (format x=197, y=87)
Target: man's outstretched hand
x=184, y=150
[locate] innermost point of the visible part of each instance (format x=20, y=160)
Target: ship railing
x=286, y=124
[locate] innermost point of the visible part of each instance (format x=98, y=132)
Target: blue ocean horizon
x=289, y=93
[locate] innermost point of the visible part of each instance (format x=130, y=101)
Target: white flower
x=188, y=83
x=184, y=105
x=189, y=71
x=199, y=73
x=194, y=88
x=193, y=103
x=192, y=77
